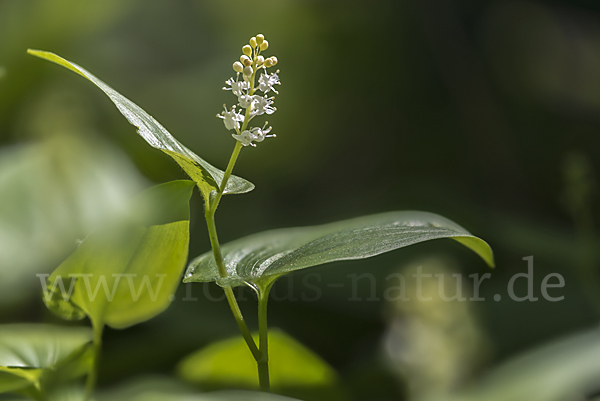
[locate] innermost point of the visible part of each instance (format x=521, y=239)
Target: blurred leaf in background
x=35, y=358
x=566, y=369
x=161, y=388
x=295, y=370
x=52, y=193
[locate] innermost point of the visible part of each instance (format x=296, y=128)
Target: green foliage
x=563, y=370
x=216, y=396
x=33, y=356
x=159, y=388
x=264, y=257
x=294, y=369
x=54, y=191
x=207, y=177
x=133, y=266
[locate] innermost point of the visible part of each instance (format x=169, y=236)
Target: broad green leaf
x=265, y=256
x=52, y=192
x=31, y=353
x=127, y=273
x=294, y=369
x=207, y=177
x=566, y=369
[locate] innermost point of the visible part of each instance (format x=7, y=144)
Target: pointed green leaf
x=30, y=352
x=266, y=256
x=294, y=369
x=206, y=176
x=127, y=273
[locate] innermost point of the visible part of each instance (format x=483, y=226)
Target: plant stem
x=220, y=262
x=239, y=318
x=263, y=336
x=92, y=377
x=235, y=309
x=212, y=208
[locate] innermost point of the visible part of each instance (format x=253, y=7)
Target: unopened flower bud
x=248, y=71
x=274, y=60
x=268, y=62
x=264, y=45
x=246, y=60
x=247, y=50
x=260, y=60
x=238, y=67
x=253, y=42
x=260, y=38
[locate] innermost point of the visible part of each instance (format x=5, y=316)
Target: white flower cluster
x=251, y=103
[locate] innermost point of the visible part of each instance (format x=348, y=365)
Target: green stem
x=220, y=262
x=212, y=208
x=235, y=309
x=92, y=377
x=263, y=336
x=239, y=318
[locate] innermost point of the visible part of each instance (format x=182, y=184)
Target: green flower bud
x=248, y=71
x=260, y=38
x=260, y=60
x=247, y=50
x=264, y=45
x=253, y=42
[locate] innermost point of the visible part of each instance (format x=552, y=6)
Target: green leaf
x=127, y=273
x=294, y=369
x=215, y=396
x=162, y=388
x=265, y=256
x=207, y=177
x=30, y=353
x=563, y=370
x=51, y=192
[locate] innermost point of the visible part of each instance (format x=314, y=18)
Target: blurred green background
x=485, y=112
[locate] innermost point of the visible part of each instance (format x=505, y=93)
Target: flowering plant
x=157, y=241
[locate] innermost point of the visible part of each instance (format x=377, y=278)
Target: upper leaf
x=127, y=272
x=28, y=352
x=268, y=255
x=206, y=176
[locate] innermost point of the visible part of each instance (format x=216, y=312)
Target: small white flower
x=231, y=119
x=256, y=134
x=262, y=105
x=236, y=86
x=266, y=82
x=245, y=101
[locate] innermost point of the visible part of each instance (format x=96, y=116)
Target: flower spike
x=253, y=67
